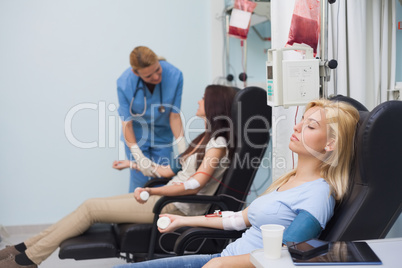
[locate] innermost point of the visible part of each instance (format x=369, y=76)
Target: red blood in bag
x=238, y=32
x=304, y=30
x=243, y=6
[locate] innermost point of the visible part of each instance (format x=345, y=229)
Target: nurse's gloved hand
x=181, y=144
x=145, y=164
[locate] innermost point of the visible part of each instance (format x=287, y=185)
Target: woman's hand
x=137, y=193
x=175, y=223
x=121, y=164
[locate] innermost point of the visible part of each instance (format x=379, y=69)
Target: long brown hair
x=218, y=101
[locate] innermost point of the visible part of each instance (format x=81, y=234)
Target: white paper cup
x=272, y=239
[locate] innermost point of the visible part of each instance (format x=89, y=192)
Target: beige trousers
x=116, y=209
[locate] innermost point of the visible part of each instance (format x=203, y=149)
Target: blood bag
x=305, y=25
x=240, y=18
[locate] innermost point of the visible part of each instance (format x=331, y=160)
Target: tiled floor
x=19, y=234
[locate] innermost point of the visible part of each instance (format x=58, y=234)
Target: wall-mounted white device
x=292, y=82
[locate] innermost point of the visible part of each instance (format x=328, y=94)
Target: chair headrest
x=250, y=111
x=379, y=142
x=374, y=201
x=251, y=125
x=353, y=102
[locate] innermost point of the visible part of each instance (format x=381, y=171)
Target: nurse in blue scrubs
x=149, y=94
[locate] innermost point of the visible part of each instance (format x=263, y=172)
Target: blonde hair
x=143, y=57
x=341, y=119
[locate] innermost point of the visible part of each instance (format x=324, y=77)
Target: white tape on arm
x=191, y=184
x=227, y=213
x=233, y=221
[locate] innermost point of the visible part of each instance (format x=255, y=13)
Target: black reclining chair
x=374, y=201
x=360, y=107
x=251, y=121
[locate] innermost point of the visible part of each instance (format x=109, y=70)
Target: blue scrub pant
x=160, y=155
x=189, y=261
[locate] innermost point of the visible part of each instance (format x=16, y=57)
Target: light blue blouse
x=282, y=208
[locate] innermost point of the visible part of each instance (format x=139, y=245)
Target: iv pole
x=325, y=65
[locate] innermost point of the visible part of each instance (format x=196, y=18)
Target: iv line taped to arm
x=233, y=220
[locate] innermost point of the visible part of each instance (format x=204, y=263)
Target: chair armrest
x=164, y=200
x=156, y=181
x=192, y=234
x=201, y=199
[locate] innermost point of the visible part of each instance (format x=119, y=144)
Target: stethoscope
x=161, y=108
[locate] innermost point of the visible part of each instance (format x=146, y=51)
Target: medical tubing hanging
x=243, y=75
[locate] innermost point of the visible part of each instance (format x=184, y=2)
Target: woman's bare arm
x=197, y=221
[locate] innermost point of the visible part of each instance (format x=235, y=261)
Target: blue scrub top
x=153, y=128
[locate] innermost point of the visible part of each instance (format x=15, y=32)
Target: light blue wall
x=256, y=55
x=55, y=55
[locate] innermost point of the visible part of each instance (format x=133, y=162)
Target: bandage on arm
x=191, y=184
x=145, y=164
x=233, y=220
